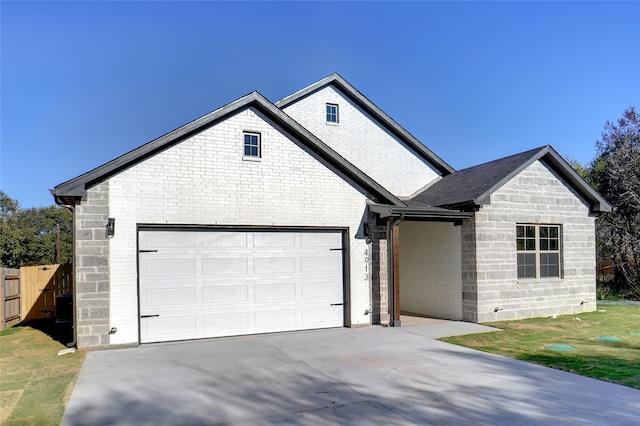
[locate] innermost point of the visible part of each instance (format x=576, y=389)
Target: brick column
x=91, y=267
x=378, y=258
x=469, y=271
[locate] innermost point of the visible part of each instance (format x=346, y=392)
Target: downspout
x=394, y=275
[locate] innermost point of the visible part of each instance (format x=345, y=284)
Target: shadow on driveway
x=371, y=375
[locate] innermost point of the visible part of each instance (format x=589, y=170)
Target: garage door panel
x=226, y=322
x=170, y=268
x=320, y=239
x=171, y=296
x=274, y=239
x=329, y=314
x=320, y=264
x=169, y=239
x=275, y=292
x=171, y=326
x=225, y=294
x=274, y=265
x=280, y=318
x=320, y=290
x=224, y=239
x=225, y=266
x=234, y=283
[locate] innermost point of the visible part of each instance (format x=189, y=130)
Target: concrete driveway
x=372, y=375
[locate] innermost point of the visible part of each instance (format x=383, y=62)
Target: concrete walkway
x=372, y=375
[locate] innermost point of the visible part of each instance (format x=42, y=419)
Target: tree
x=615, y=173
x=28, y=236
x=579, y=168
x=11, y=237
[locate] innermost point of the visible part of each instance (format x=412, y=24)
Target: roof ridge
x=531, y=151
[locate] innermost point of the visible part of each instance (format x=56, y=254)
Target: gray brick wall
x=379, y=271
x=536, y=196
x=469, y=271
x=91, y=267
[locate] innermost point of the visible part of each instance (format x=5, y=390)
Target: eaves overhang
x=596, y=201
x=418, y=213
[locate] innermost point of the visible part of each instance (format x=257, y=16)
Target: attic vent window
x=251, y=145
x=332, y=114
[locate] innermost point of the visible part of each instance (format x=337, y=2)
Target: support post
x=394, y=293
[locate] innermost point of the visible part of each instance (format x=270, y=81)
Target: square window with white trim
x=332, y=114
x=539, y=251
x=252, y=145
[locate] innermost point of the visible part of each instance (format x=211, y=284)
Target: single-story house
x=319, y=210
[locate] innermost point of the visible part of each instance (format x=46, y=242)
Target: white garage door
x=222, y=283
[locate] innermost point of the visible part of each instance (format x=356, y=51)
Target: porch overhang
x=415, y=212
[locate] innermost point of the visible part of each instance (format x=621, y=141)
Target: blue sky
x=84, y=82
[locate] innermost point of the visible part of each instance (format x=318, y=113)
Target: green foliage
x=582, y=170
x=615, y=173
x=9, y=331
x=28, y=236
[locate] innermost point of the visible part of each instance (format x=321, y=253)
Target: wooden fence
x=10, y=313
x=30, y=292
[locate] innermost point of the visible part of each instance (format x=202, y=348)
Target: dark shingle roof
x=473, y=187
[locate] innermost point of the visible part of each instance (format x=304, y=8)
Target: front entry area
x=212, y=283
x=430, y=269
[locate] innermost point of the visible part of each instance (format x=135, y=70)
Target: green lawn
x=35, y=382
x=617, y=362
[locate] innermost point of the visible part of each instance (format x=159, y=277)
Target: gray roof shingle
x=472, y=187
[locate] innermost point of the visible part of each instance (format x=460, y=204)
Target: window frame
x=332, y=114
x=257, y=147
x=540, y=245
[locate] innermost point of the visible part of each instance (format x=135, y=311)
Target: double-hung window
x=332, y=113
x=252, y=145
x=539, y=251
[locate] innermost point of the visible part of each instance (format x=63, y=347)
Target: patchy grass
x=35, y=382
x=617, y=362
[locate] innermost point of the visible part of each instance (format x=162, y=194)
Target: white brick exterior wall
x=362, y=142
x=205, y=181
x=535, y=196
x=430, y=269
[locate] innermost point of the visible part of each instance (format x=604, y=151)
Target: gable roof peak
x=473, y=186
x=75, y=188
x=336, y=80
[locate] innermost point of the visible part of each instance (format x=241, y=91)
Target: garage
x=225, y=282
